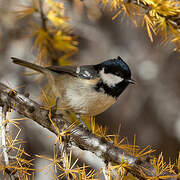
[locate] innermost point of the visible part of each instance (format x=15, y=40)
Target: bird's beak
x=131, y=81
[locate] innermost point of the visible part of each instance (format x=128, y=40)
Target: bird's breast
x=80, y=96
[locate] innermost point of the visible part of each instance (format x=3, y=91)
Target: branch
x=3, y=141
x=174, y=19
x=3, y=134
x=80, y=137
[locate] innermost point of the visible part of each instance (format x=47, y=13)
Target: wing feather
x=84, y=72
x=63, y=69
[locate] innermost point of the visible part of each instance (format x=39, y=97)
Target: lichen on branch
x=84, y=139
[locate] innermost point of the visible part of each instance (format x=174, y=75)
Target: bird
x=88, y=89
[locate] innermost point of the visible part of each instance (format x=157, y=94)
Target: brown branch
x=43, y=18
x=52, y=53
x=80, y=137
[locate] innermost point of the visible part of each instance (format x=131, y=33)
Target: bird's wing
x=84, y=72
x=63, y=69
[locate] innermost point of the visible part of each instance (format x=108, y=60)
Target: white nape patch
x=110, y=79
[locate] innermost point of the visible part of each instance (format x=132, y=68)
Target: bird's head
x=114, y=71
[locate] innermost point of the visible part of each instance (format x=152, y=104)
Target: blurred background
x=150, y=109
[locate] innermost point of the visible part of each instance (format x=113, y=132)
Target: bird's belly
x=85, y=100
x=80, y=97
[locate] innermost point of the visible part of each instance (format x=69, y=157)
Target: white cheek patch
x=110, y=79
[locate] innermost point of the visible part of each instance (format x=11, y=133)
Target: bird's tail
x=28, y=64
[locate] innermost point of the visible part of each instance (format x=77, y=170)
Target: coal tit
x=86, y=90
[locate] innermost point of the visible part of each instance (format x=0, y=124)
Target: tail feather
x=28, y=64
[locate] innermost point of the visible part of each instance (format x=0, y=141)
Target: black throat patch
x=113, y=91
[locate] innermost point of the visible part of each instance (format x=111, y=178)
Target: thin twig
x=52, y=51
x=43, y=18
